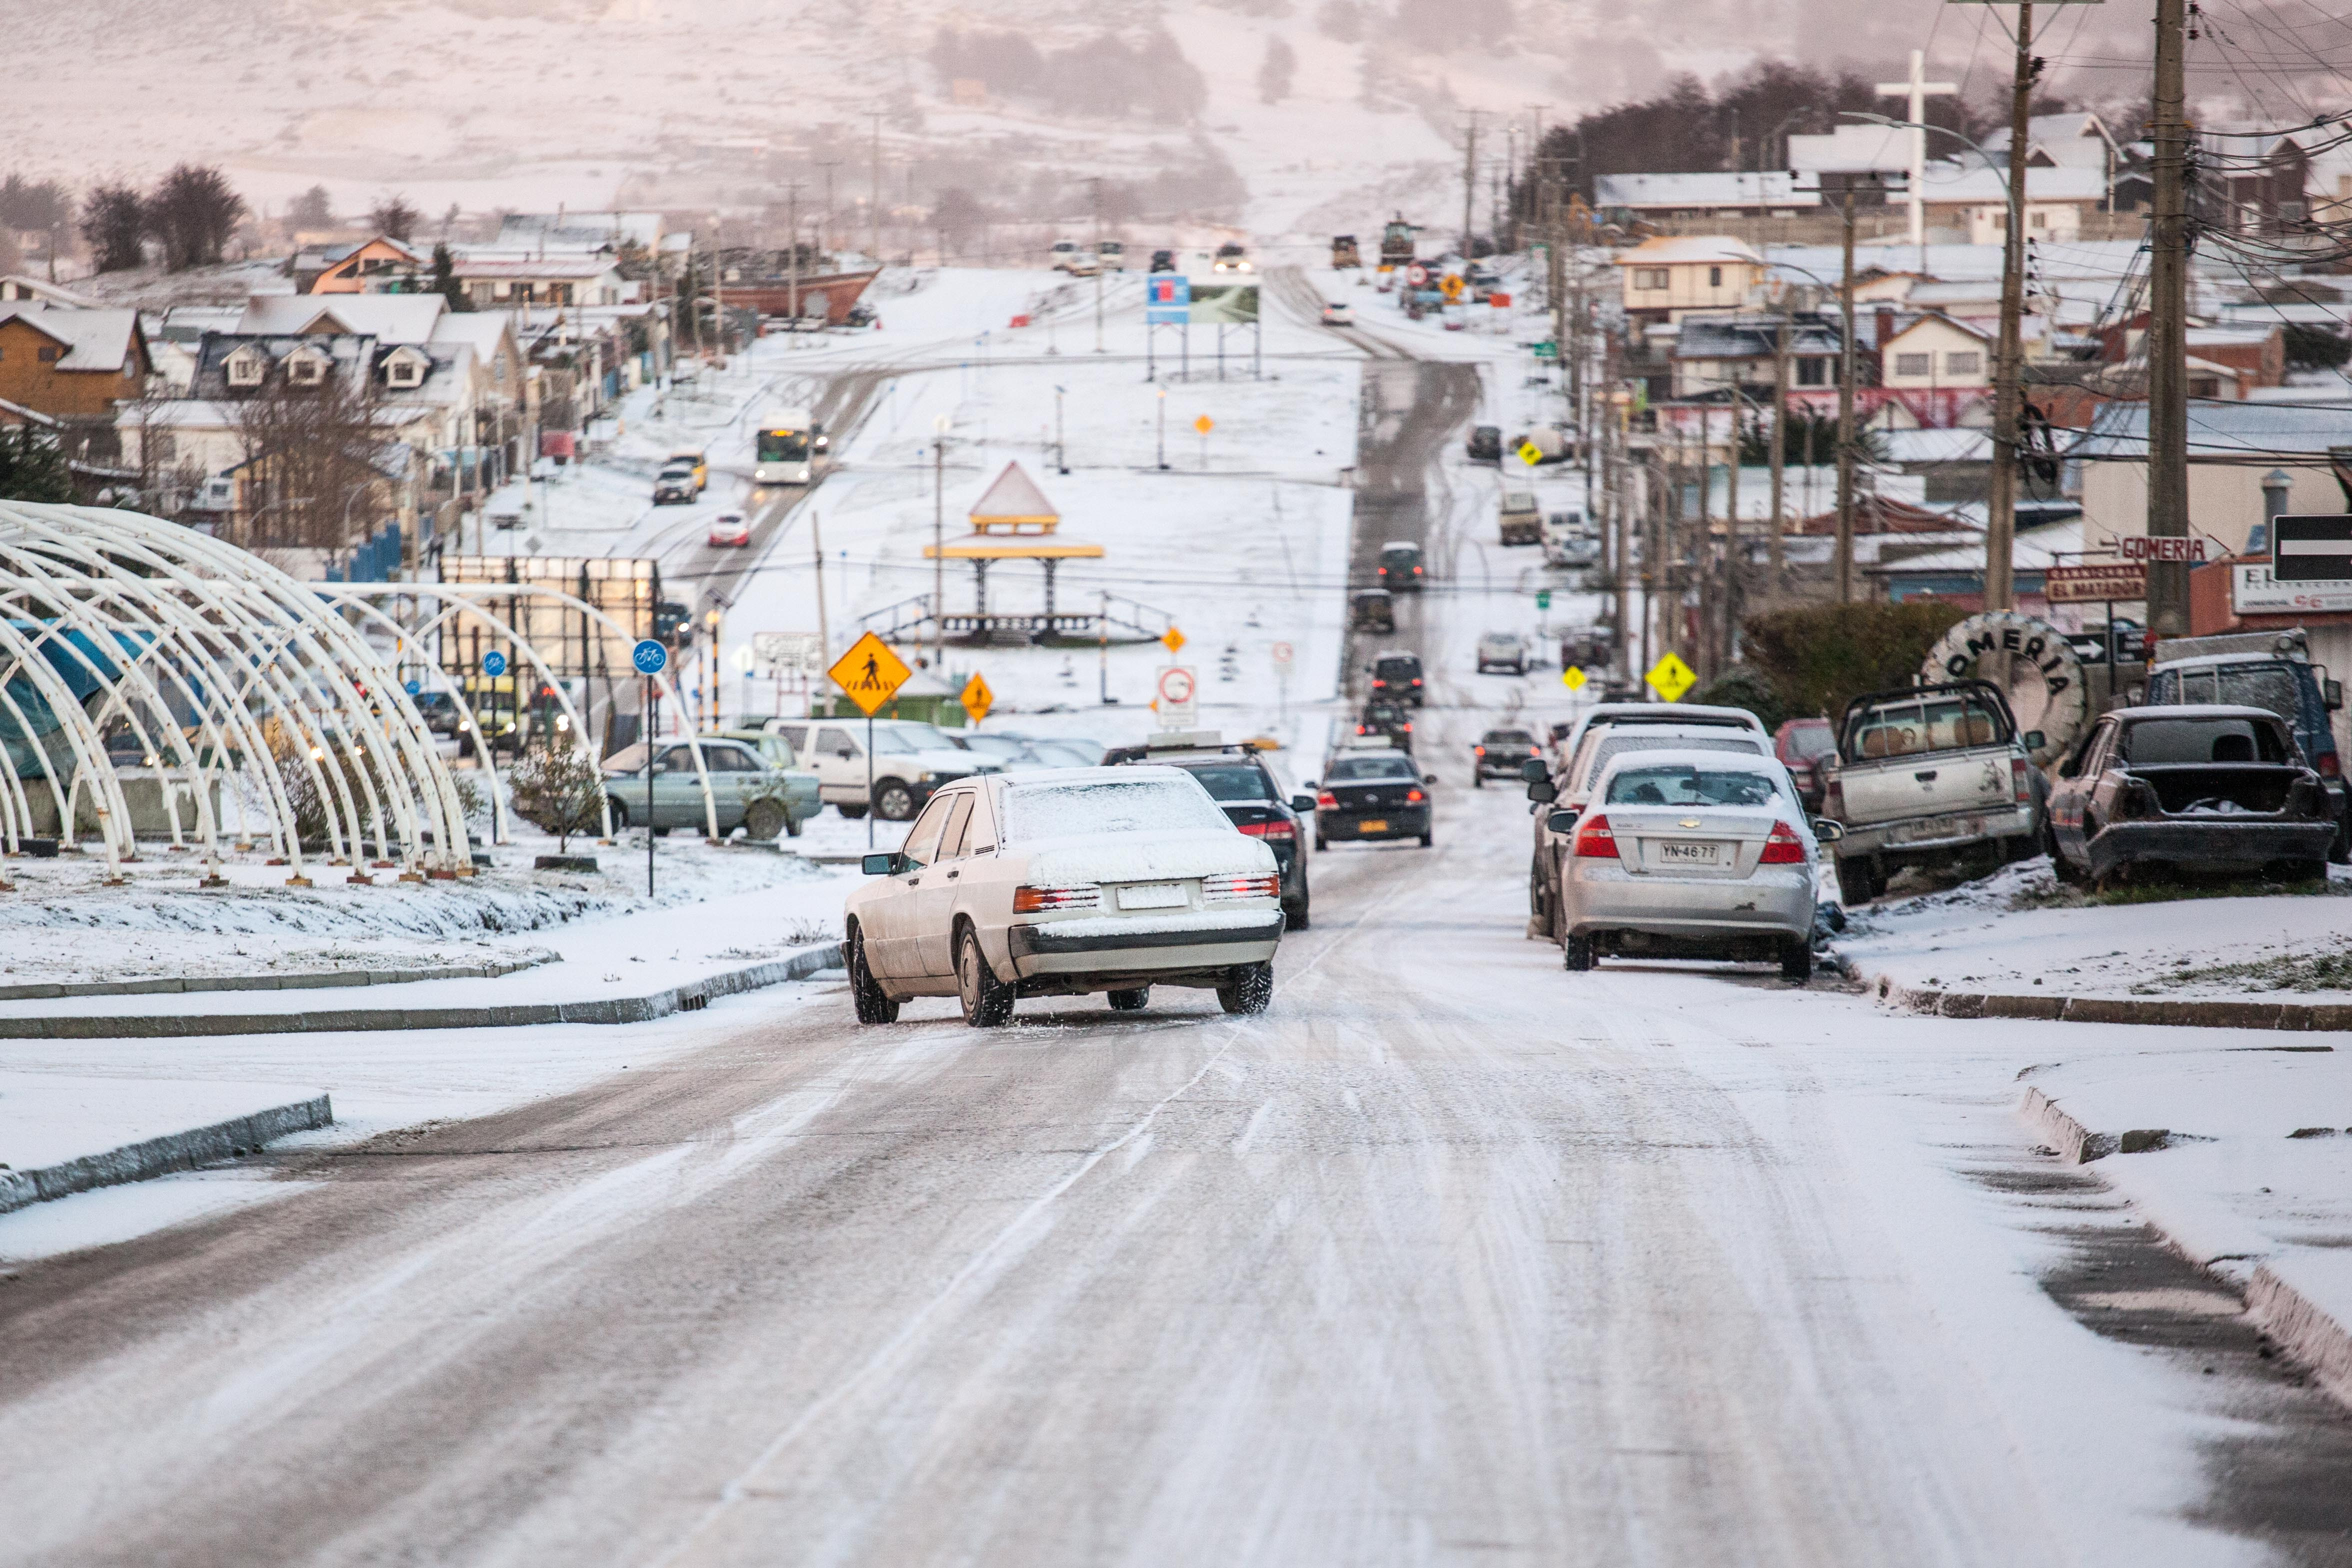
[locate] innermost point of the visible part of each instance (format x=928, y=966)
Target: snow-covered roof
x=387, y=318
x=18, y=286
x=1949, y=182
x=2035, y=548
x=1959, y=445
x=1773, y=187
x=1851, y=148
x=2075, y=140
x=1668, y=249
x=94, y=340
x=1753, y=337
x=480, y=262
x=481, y=330
x=2222, y=430
x=578, y=230
x=1013, y=499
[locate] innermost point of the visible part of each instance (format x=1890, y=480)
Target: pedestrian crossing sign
x=1573, y=677
x=870, y=673
x=1670, y=678
x=1531, y=453
x=977, y=697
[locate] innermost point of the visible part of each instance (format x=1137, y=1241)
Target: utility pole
x=1469, y=180
x=938, y=544
x=2008, y=368
x=1844, y=558
x=825, y=224
x=816, y=549
x=792, y=246
x=873, y=193
x=718, y=286
x=1780, y=435
x=1096, y=182
x=2168, y=381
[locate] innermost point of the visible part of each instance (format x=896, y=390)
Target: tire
x=1293, y=916
x=987, y=1001
x=1797, y=962
x=1320, y=844
x=874, y=1003
x=1854, y=882
x=851, y=812
x=893, y=801
x=2060, y=867
x=620, y=816
x=2339, y=850
x=792, y=824
x=1134, y=1001
x=1425, y=840
x=2307, y=871
x=661, y=833
x=764, y=821
x=1478, y=781
x=1577, y=954
x=1250, y=989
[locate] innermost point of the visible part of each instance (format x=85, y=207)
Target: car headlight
x=925, y=776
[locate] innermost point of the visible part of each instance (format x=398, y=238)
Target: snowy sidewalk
x=61, y=1134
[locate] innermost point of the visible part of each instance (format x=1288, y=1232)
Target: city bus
x=787, y=448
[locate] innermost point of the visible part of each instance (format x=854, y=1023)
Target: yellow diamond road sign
x=1205, y=424
x=977, y=698
x=1670, y=678
x=1531, y=453
x=1173, y=640
x=870, y=673
x=1573, y=677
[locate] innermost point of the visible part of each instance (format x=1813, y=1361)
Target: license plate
x=1151, y=895
x=1373, y=825
x=1674, y=852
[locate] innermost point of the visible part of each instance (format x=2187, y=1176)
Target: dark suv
x=1397, y=676
x=1486, y=444
x=1238, y=780
x=1384, y=716
x=1401, y=566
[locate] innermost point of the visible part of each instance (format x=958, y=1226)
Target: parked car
x=674, y=483
x=1063, y=255
x=1065, y=883
x=1500, y=755
x=1588, y=648
x=1242, y=783
x=1371, y=610
x=1691, y=855
x=1503, y=650
x=745, y=791
x=1401, y=566
x=731, y=530
x=1368, y=796
x=695, y=459
x=1337, y=313
x=1802, y=744
x=1396, y=673
x=1388, y=718
x=1486, y=444
x=1519, y=518
x=1571, y=543
x=911, y=762
x=801, y=791
x=2202, y=788
x=1925, y=775
x=1163, y=261
x=2264, y=669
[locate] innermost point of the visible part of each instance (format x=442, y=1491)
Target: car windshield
x=2154, y=743
x=1681, y=785
x=629, y=759
x=1231, y=781
x=1110, y=805
x=2270, y=686
x=1352, y=768
x=999, y=746
x=1614, y=746
x=901, y=740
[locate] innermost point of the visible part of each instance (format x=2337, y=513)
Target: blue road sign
x=413, y=687
x=649, y=656
x=494, y=664
x=1168, y=299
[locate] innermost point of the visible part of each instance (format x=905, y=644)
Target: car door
x=735, y=776
x=891, y=942
x=935, y=900
x=678, y=798
x=2071, y=811
x=840, y=762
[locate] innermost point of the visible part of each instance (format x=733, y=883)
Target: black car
x=1163, y=261
x=1385, y=716
x=1500, y=755
x=1401, y=566
x=1397, y=676
x=1486, y=444
x=1238, y=780
x=1372, y=795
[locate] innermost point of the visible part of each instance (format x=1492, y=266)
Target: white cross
x=1917, y=89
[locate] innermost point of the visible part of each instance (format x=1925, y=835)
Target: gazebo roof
x=995, y=547
x=1014, y=504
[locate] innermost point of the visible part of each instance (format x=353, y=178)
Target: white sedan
x=1691, y=855
x=1061, y=882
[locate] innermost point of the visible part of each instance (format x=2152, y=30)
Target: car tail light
x=1833, y=799
x=2018, y=787
x=1362, y=730
x=1595, y=841
x=1479, y=751
x=2328, y=766
x=1326, y=801
x=1028, y=900
x=1408, y=729
x=1275, y=829
x=1782, y=846
x=1416, y=680
x=1225, y=889
x=1413, y=797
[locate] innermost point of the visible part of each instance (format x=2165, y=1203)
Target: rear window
x=1348, y=768
x=2156, y=741
x=1507, y=738
x=1233, y=781
x=1681, y=785
x=1811, y=742
x=1397, y=668
x=1614, y=746
x=1930, y=724
x=2268, y=685
x=1110, y=805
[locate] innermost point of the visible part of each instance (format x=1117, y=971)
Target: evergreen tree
x=31, y=466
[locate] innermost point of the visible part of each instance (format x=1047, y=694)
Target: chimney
x=1885, y=326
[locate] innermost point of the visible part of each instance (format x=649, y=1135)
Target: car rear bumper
x=1039, y=951
x=1404, y=822
x=2221, y=845
x=1929, y=837
x=1775, y=902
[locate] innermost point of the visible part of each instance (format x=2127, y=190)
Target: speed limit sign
x=1417, y=276
x=1176, y=690
x=1282, y=653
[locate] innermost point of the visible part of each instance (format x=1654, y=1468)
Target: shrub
x=1740, y=686
x=558, y=789
x=1819, y=660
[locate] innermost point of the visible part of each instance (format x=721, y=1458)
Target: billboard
x=1223, y=304
x=1167, y=300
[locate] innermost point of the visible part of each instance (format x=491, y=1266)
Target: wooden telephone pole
x=2168, y=341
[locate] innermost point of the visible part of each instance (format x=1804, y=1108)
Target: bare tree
x=313, y=209
x=193, y=213
x=392, y=216
x=113, y=222
x=313, y=458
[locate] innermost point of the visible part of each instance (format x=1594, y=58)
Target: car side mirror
x=1533, y=771
x=1543, y=792
x=845, y=754
x=2334, y=693
x=885, y=863
x=2033, y=740
x=1429, y=778
x=1302, y=803
x=1562, y=820
x=1827, y=831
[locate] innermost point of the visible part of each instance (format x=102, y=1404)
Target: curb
x=2298, y=1018
x=161, y=1156
x=686, y=998
x=2302, y=1329
x=302, y=981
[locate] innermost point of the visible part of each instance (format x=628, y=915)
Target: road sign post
x=1283, y=654
x=650, y=659
x=871, y=674
x=494, y=664
x=1176, y=697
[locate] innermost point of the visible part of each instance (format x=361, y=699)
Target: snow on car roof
x=1751, y=761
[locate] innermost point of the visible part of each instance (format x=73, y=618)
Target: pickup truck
x=1924, y=777
x=1522, y=518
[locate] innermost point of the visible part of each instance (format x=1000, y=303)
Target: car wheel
x=1293, y=916
x=1853, y=882
x=1477, y=780
x=1797, y=960
x=764, y=821
x=2060, y=867
x=1426, y=839
x=792, y=824
x=849, y=811
x=2307, y=871
x=874, y=1003
x=1249, y=989
x=2339, y=851
x=1320, y=844
x=661, y=833
x=893, y=801
x=1134, y=1001
x=620, y=816
x=1577, y=954
x=987, y=1001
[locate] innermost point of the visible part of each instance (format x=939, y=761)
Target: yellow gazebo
x=1013, y=521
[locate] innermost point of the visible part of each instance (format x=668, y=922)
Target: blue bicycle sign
x=494, y=664
x=649, y=656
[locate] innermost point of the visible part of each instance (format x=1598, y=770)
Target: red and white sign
x=1417, y=275
x=2255, y=592
x=1281, y=652
x=2140, y=547
x=2101, y=582
x=1175, y=689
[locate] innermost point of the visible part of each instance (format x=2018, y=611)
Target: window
x=836, y=743
x=1679, y=783
x=2158, y=741
x=1963, y=362
x=48, y=356
x=955, y=838
x=1714, y=276
x=923, y=844
x=402, y=369
x=1110, y=807
x=1915, y=364
x=1812, y=372
x=2205, y=386
x=306, y=370
x=2036, y=217
x=1653, y=278
x=1233, y=781
x=245, y=368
